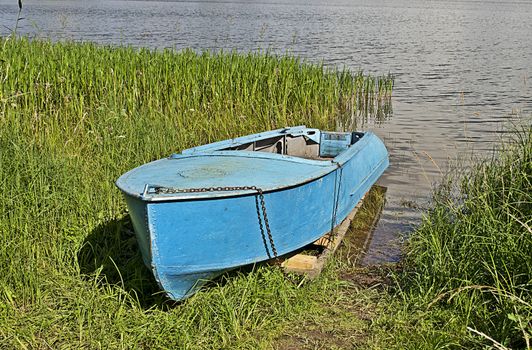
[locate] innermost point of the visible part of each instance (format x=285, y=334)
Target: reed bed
x=73, y=117
x=468, y=270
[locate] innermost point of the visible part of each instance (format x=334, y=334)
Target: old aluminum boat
x=213, y=208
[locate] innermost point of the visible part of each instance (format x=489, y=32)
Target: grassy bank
x=73, y=117
x=467, y=278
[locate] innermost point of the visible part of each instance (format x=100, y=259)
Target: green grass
x=467, y=278
x=73, y=117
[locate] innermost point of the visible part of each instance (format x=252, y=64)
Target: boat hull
x=188, y=242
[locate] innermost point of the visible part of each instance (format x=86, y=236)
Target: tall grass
x=472, y=256
x=73, y=117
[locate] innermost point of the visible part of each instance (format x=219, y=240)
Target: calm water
x=463, y=68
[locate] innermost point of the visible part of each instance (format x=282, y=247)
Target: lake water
x=463, y=68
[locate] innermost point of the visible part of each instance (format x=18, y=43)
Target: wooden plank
x=311, y=265
x=323, y=241
x=300, y=263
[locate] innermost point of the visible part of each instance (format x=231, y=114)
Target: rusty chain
x=168, y=190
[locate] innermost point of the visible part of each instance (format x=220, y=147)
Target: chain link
x=266, y=222
x=169, y=190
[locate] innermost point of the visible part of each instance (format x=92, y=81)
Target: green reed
x=470, y=260
x=73, y=117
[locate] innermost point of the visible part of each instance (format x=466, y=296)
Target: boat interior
x=313, y=144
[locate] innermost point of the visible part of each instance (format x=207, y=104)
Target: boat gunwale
x=300, y=130
x=255, y=154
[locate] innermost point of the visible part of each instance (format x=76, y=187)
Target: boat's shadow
x=111, y=254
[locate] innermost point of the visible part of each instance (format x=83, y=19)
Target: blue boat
x=213, y=208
